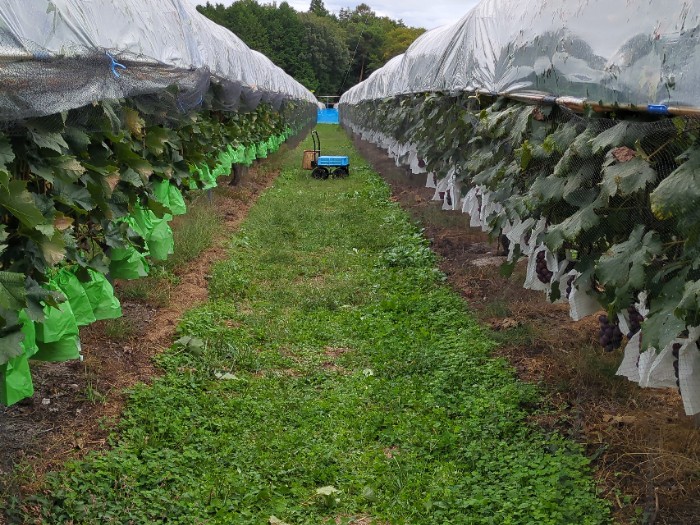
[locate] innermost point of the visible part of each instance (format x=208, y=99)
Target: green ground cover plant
x=332, y=377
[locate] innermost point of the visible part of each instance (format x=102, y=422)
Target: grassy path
x=331, y=378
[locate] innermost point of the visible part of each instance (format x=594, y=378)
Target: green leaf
x=627, y=178
x=612, y=137
x=46, y=229
x=77, y=138
x=68, y=167
x=689, y=304
x=624, y=264
x=73, y=195
x=3, y=237
x=660, y=329
x=52, y=141
x=156, y=139
x=13, y=295
x=6, y=153
x=680, y=191
x=327, y=491
x=569, y=229
x=53, y=249
x=37, y=297
x=11, y=344
x=546, y=189
x=525, y=153
x=662, y=325
x=15, y=198
x=131, y=177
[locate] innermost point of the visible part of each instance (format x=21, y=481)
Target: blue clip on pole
x=114, y=65
x=657, y=109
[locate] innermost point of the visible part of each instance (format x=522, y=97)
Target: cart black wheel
x=320, y=172
x=341, y=172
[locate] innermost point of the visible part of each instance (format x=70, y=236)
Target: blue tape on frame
x=658, y=109
x=114, y=65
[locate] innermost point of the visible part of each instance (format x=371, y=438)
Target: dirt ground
x=645, y=451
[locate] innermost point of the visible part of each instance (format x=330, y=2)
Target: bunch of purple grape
x=610, y=334
x=543, y=273
x=674, y=351
x=570, y=285
x=636, y=320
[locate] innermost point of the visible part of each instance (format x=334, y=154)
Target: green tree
x=318, y=8
x=327, y=53
x=285, y=34
x=398, y=40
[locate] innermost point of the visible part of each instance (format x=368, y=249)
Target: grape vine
x=621, y=190
x=76, y=187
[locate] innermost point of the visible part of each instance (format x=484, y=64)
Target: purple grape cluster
x=543, y=273
x=674, y=351
x=610, y=334
x=636, y=320
x=570, y=285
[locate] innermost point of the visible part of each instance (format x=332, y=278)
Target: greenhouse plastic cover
x=637, y=52
x=62, y=54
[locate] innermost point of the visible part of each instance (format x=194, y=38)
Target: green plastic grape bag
x=15, y=377
x=127, y=263
x=57, y=336
x=71, y=287
x=100, y=293
x=160, y=240
x=177, y=201
x=160, y=191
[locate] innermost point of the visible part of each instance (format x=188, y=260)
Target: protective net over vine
x=110, y=112
x=63, y=54
x=604, y=204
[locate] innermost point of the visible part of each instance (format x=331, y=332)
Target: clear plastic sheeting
x=57, y=55
x=638, y=53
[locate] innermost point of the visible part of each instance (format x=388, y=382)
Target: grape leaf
x=624, y=264
x=13, y=295
x=69, y=167
x=662, y=325
x=546, y=189
x=15, y=198
x=680, y=191
x=10, y=344
x=77, y=138
x=3, y=237
x=52, y=141
x=53, y=249
x=570, y=228
x=6, y=153
x=73, y=195
x=628, y=177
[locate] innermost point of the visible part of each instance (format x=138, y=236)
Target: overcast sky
x=415, y=13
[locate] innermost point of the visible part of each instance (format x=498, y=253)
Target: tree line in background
x=327, y=53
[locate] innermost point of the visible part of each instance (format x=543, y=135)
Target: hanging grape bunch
x=610, y=334
x=543, y=273
x=570, y=285
x=636, y=320
x=674, y=351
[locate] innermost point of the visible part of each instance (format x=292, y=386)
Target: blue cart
x=323, y=166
